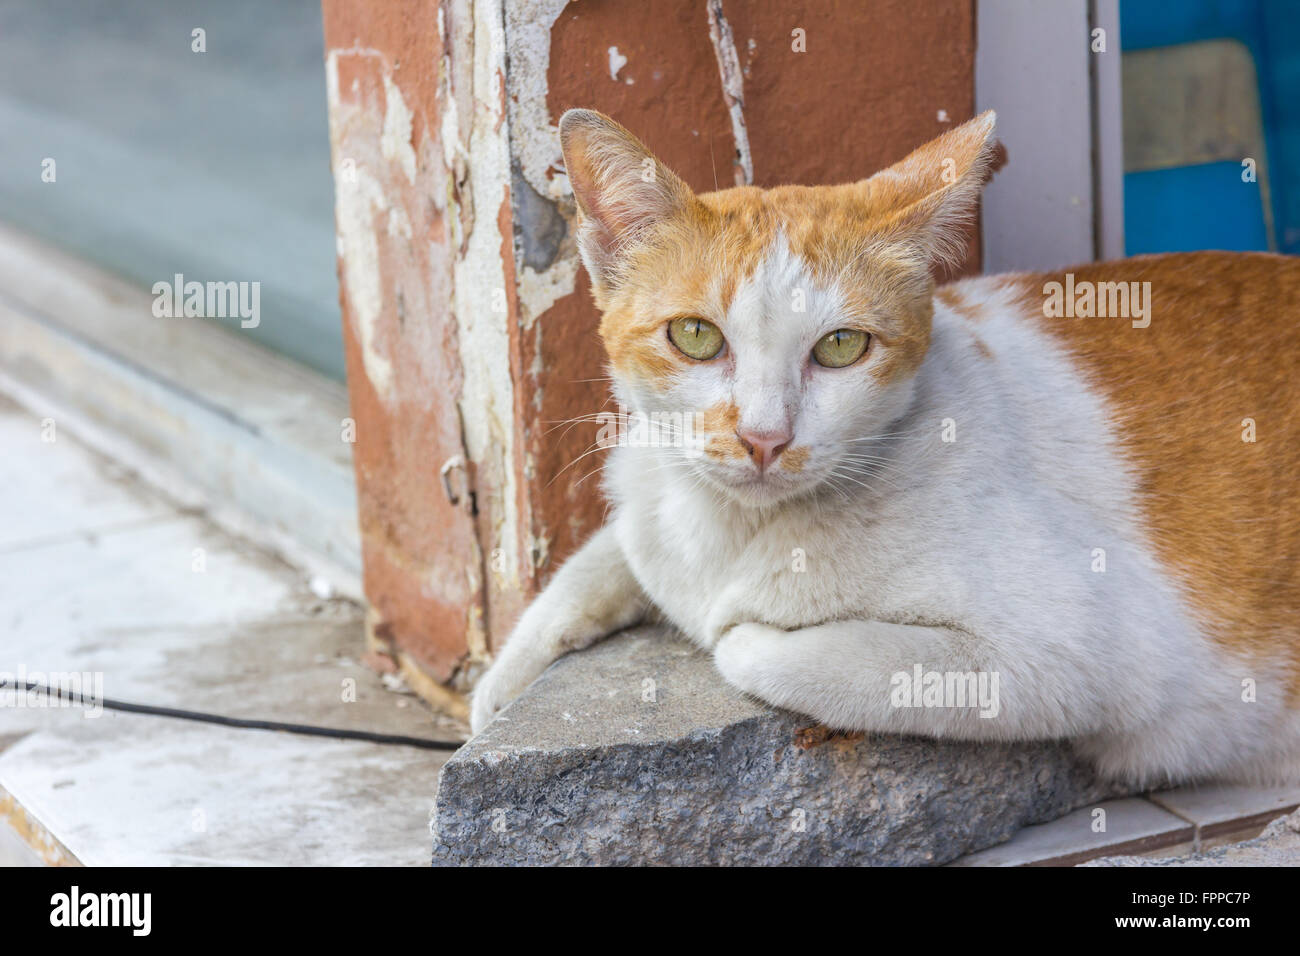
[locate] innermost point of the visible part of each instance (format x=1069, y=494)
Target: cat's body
x=980, y=495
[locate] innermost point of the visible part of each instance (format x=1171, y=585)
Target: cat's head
x=784, y=326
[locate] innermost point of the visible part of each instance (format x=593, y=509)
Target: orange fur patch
x=719, y=422
x=1223, y=346
x=793, y=459
x=954, y=300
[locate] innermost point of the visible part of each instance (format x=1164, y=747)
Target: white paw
x=504, y=681
x=747, y=657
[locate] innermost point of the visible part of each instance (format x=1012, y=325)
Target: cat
x=1082, y=485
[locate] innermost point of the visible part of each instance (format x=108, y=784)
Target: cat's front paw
x=504, y=681
x=747, y=657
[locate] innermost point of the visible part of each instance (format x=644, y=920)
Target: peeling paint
x=548, y=272
x=395, y=142
x=733, y=89
x=487, y=403
x=397, y=208
x=539, y=547
x=535, y=139
x=399, y=224
x=358, y=197
x=616, y=62
x=538, y=291
x=475, y=632
x=539, y=226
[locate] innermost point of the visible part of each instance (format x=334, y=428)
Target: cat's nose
x=763, y=447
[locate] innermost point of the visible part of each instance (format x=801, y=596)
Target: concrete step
x=104, y=577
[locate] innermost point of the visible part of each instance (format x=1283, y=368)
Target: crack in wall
x=733, y=89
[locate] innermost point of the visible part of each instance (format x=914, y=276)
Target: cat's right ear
x=621, y=189
x=926, y=201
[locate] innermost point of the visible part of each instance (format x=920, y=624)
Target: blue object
x=1205, y=207
x=1192, y=207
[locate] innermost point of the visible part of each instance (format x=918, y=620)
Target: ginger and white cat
x=1098, y=509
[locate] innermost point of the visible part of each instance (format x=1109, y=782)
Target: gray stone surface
x=636, y=752
x=1278, y=845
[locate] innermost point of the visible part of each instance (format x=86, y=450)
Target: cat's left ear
x=622, y=191
x=927, y=200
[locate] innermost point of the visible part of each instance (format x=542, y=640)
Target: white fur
x=971, y=555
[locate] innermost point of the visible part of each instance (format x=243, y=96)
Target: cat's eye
x=840, y=348
x=696, y=338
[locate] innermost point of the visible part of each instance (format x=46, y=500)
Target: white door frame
x=1060, y=198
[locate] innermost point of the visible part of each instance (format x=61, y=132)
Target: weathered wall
x=403, y=210
x=469, y=326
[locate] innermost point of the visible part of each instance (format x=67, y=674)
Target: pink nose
x=763, y=447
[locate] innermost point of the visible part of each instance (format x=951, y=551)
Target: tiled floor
x=1169, y=823
x=101, y=574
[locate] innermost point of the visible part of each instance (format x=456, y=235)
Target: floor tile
x=1131, y=826
x=132, y=790
x=1217, y=808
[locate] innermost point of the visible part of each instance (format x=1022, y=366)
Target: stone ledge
x=636, y=752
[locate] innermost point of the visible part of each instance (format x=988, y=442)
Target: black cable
x=247, y=723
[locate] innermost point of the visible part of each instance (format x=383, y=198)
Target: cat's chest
x=704, y=572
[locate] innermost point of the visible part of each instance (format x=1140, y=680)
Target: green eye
x=842, y=347
x=696, y=338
